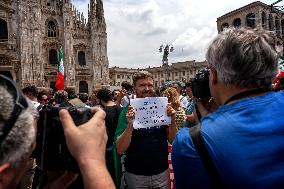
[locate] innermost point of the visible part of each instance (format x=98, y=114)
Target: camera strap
x=205, y=157
x=200, y=146
x=246, y=94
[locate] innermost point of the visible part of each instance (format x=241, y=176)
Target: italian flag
x=281, y=71
x=59, y=85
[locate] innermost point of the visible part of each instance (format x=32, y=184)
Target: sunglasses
x=20, y=104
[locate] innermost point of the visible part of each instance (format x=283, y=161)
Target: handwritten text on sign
x=150, y=112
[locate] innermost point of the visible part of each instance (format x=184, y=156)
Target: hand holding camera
x=87, y=141
x=84, y=133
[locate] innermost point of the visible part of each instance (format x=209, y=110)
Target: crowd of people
x=227, y=133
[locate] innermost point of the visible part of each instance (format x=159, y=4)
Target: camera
x=200, y=84
x=51, y=150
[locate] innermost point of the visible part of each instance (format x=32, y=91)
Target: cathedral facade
x=33, y=31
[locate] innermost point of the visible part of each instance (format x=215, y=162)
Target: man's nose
x=147, y=88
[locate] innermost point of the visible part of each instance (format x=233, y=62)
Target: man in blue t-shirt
x=245, y=135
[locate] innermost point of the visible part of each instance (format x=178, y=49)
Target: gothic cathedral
x=32, y=32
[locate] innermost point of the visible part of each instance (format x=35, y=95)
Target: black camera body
x=200, y=84
x=51, y=150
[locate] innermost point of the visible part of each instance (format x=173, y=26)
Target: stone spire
x=92, y=9
x=99, y=10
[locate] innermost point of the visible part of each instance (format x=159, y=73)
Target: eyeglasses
x=20, y=104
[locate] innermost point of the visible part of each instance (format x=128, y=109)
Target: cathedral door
x=83, y=87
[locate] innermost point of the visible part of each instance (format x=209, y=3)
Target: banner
x=150, y=112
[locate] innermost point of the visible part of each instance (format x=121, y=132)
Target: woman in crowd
x=173, y=98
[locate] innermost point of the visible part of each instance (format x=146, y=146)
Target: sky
x=137, y=28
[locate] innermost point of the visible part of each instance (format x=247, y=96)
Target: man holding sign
x=143, y=132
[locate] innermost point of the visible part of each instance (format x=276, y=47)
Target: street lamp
x=165, y=62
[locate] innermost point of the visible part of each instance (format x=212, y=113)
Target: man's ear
x=3, y=173
x=214, y=76
x=4, y=167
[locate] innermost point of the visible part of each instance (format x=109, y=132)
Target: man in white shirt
x=31, y=92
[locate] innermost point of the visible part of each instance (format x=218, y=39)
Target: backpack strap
x=208, y=163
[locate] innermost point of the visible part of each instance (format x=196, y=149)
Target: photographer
x=127, y=92
x=240, y=145
x=178, y=86
x=117, y=96
x=200, y=101
x=17, y=139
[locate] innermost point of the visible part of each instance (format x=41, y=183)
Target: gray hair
x=18, y=143
x=244, y=57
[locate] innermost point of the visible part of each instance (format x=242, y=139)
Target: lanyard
x=246, y=93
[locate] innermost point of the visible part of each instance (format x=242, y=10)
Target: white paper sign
x=150, y=112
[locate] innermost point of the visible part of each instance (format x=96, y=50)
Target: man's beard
x=148, y=93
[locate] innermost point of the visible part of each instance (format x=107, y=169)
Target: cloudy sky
x=137, y=28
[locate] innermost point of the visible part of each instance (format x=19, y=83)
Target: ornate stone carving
x=67, y=22
x=7, y=6
x=80, y=46
x=13, y=36
x=4, y=61
x=83, y=72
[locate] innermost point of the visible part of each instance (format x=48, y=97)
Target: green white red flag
x=59, y=84
x=281, y=71
x=281, y=63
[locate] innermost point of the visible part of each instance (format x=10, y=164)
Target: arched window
x=51, y=29
x=263, y=20
x=270, y=22
x=237, y=22
x=250, y=20
x=53, y=58
x=3, y=30
x=83, y=87
x=277, y=26
x=81, y=58
x=224, y=26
